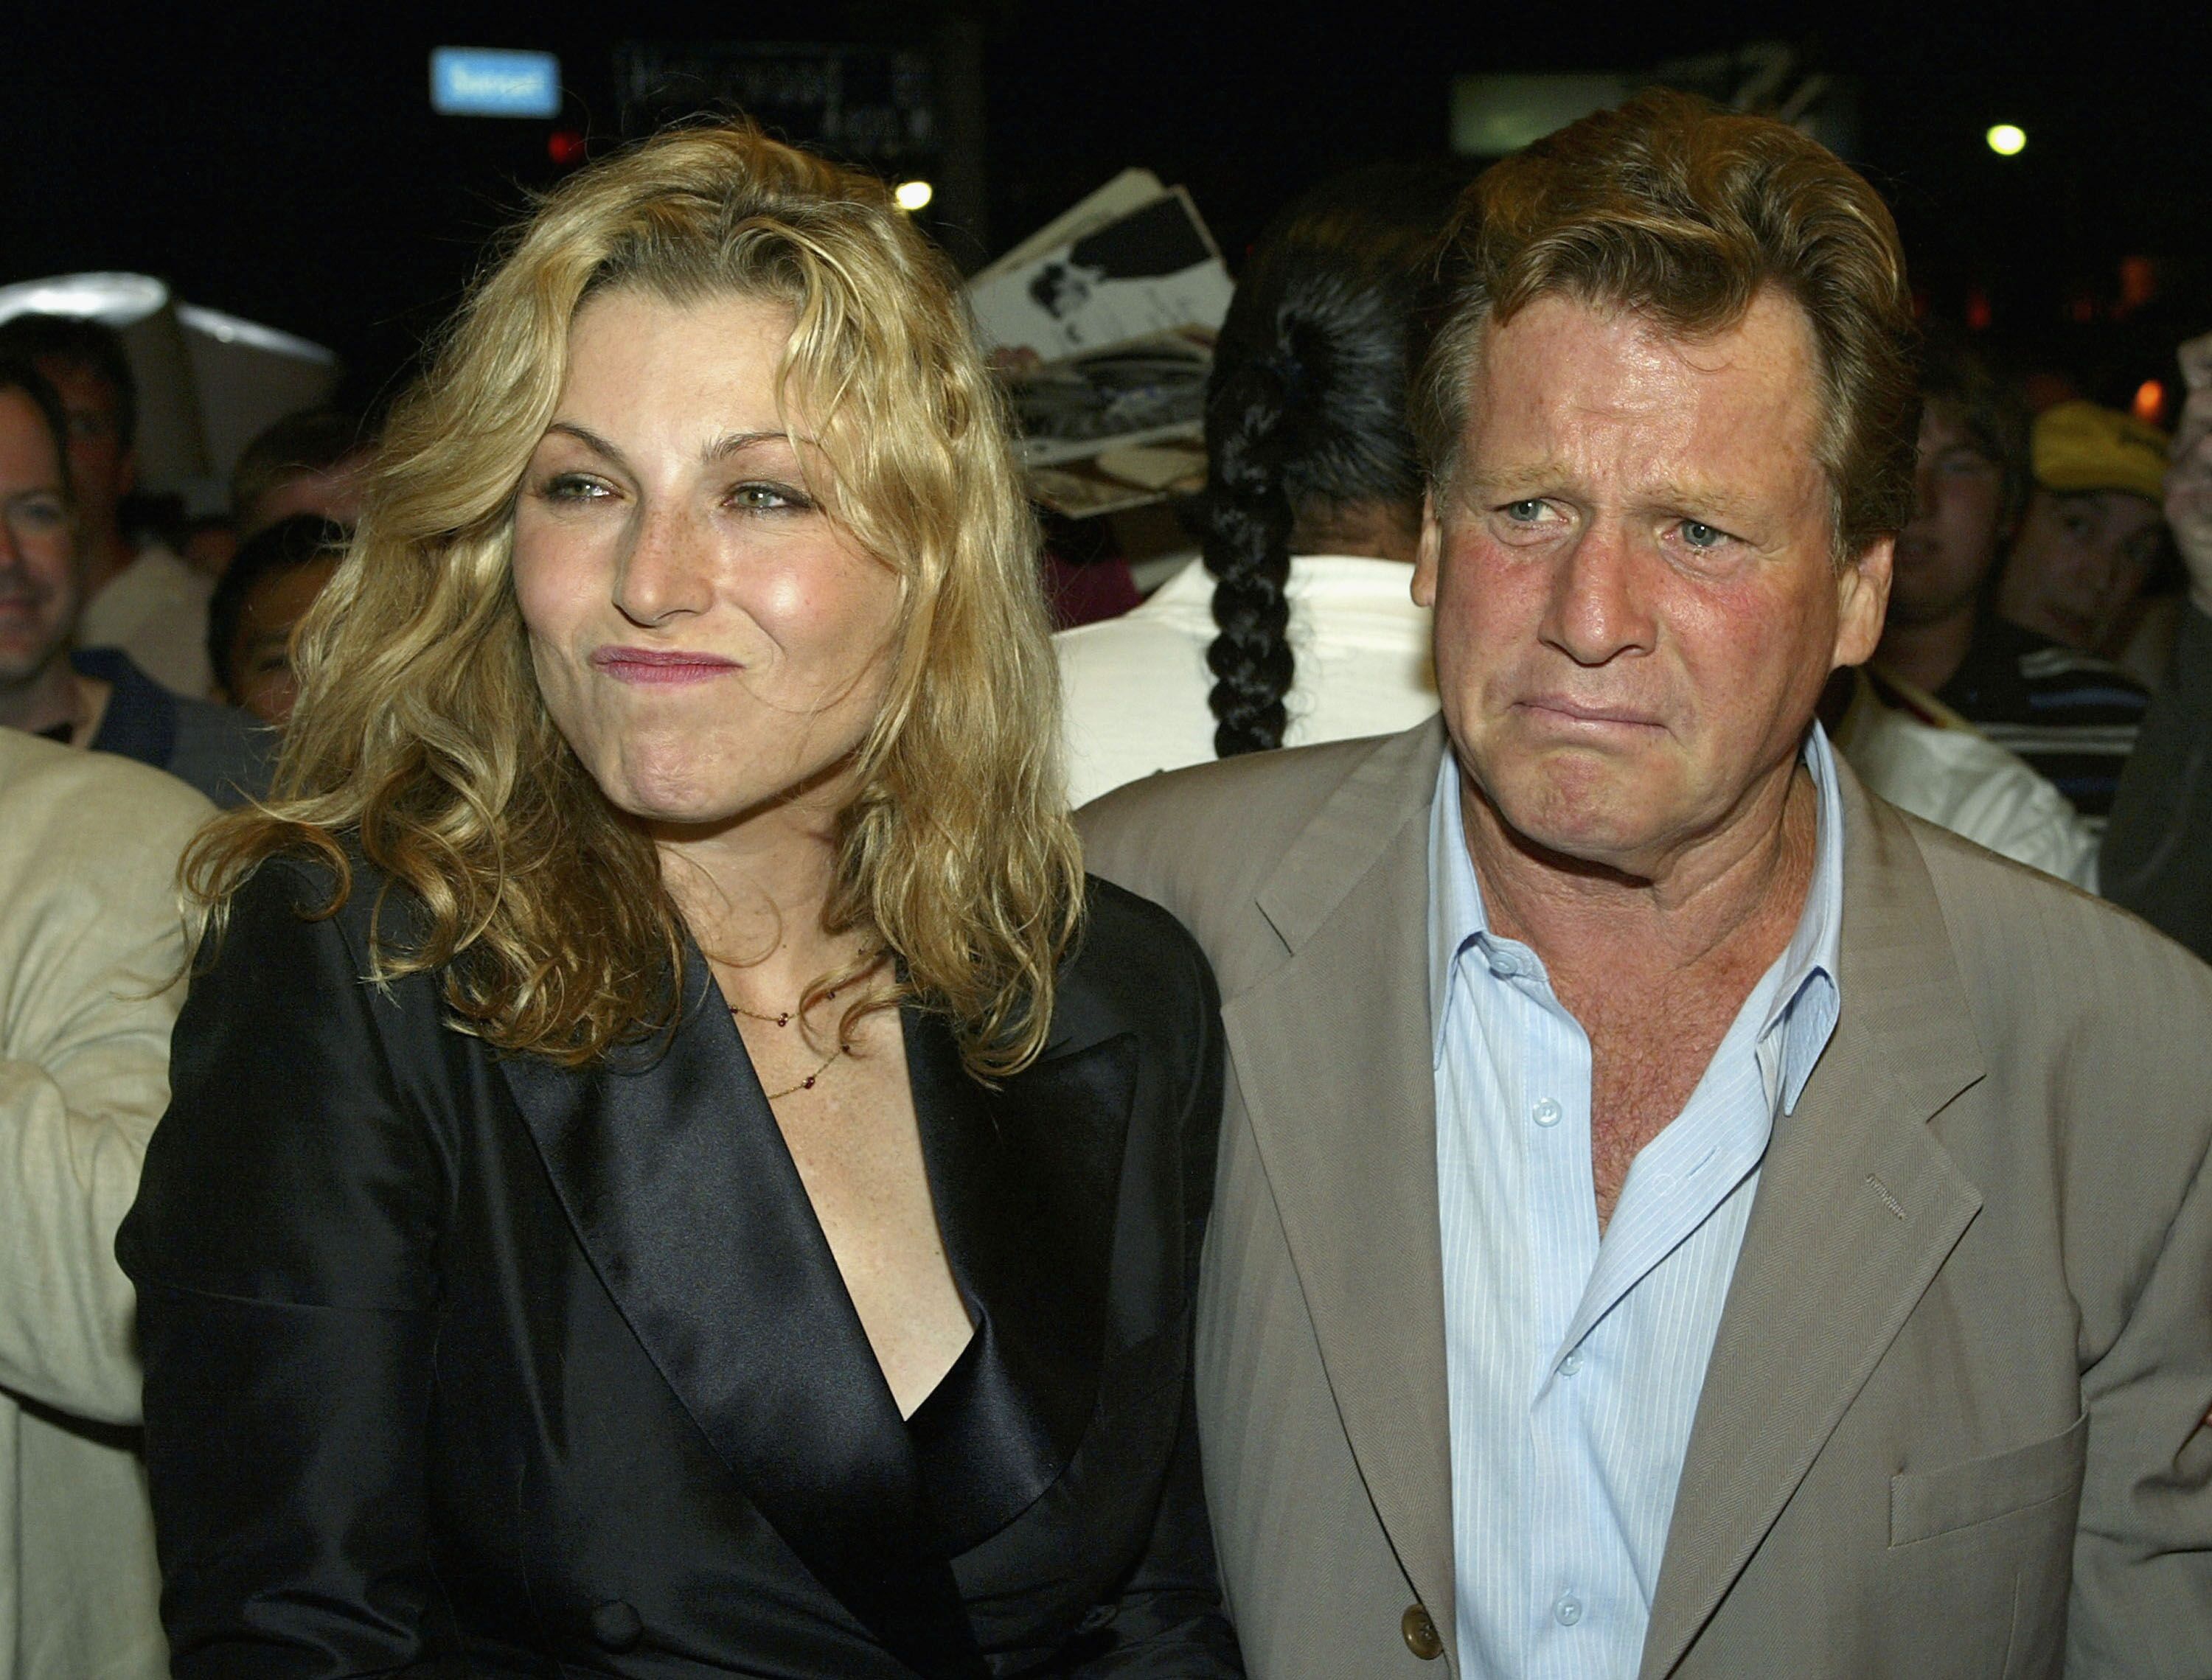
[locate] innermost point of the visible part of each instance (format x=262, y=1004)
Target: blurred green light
x=2007, y=139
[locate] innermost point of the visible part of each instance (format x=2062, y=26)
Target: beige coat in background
x=90, y=940
x=1951, y=1424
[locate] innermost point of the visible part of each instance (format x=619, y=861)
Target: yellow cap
x=2080, y=446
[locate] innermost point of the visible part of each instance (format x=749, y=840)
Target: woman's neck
x=756, y=896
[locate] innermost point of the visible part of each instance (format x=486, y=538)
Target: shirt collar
x=1803, y=989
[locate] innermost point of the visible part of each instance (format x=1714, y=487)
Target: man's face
x=1636, y=602
x=102, y=470
x=2079, y=563
x=38, y=588
x=1944, y=555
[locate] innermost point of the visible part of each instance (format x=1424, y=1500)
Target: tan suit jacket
x=90, y=942
x=1950, y=1426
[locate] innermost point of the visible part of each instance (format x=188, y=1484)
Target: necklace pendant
x=784, y=1019
x=807, y=1083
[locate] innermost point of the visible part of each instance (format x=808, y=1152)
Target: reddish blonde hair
x=1675, y=209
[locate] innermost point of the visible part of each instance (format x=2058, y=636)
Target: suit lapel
x=1026, y=1180
x=670, y=1166
x=1332, y=1052
x=1857, y=1207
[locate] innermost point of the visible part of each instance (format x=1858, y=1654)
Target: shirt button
x=1572, y=1363
x=1545, y=1113
x=1568, y=1610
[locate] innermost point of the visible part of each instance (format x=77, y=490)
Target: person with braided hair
x=1300, y=626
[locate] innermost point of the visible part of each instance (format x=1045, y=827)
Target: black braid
x=1249, y=518
x=1306, y=413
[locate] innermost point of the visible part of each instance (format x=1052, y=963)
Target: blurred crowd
x=2043, y=686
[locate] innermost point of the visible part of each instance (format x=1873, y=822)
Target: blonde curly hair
x=421, y=738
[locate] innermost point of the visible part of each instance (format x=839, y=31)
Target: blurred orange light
x=565, y=146
x=1978, y=314
x=2150, y=402
x=2138, y=282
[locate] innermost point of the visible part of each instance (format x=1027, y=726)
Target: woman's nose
x=666, y=570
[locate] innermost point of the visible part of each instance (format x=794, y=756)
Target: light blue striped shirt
x=1574, y=1364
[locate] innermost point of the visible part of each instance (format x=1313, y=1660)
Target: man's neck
x=1730, y=902
x=48, y=698
x=1928, y=655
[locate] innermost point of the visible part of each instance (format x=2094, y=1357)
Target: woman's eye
x=1699, y=535
x=572, y=486
x=765, y=498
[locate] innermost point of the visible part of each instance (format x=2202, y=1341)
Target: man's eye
x=1699, y=535
x=1525, y=512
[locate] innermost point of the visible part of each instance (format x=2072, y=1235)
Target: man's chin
x=1606, y=827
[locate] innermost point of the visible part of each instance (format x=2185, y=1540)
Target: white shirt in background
x=1136, y=688
x=155, y=609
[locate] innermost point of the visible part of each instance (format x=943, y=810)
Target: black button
x=617, y=1627
x=1421, y=1637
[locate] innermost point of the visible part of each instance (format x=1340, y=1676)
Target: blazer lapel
x=1331, y=1053
x=1026, y=1180
x=1858, y=1207
x=670, y=1166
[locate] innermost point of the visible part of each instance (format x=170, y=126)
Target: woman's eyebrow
x=591, y=441
x=732, y=443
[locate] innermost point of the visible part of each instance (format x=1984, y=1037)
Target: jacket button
x=617, y=1627
x=1422, y=1638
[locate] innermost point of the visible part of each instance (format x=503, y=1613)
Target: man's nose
x=1598, y=608
x=664, y=572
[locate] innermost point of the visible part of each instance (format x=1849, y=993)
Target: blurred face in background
x=263, y=681
x=333, y=494
x=709, y=641
x=102, y=470
x=2078, y=564
x=38, y=581
x=1946, y=552
x=1637, y=598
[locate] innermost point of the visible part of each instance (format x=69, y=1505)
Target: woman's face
x=706, y=638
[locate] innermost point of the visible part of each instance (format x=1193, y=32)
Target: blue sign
x=493, y=82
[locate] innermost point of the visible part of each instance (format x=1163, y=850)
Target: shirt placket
x=1561, y=1221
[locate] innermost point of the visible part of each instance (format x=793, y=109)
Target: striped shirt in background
x=1574, y=1364
x=2072, y=715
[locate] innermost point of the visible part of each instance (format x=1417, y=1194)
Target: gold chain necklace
x=807, y=1083
x=784, y=1019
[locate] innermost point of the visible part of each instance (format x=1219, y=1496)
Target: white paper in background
x=1152, y=270
x=1131, y=190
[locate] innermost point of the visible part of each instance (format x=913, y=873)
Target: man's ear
x=1429, y=554
x=1863, y=601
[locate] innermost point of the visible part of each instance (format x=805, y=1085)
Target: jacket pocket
x=1924, y=1504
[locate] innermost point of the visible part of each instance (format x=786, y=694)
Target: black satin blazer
x=459, y=1363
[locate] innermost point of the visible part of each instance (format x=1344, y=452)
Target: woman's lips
x=658, y=668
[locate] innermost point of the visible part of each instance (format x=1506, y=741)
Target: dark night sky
x=293, y=171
